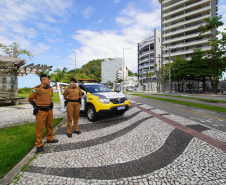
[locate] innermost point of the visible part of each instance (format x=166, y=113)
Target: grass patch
x=15, y=143
x=55, y=99
x=208, y=107
x=139, y=92
x=191, y=98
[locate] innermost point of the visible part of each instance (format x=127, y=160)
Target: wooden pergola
x=10, y=69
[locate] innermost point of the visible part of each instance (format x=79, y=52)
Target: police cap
x=44, y=75
x=73, y=80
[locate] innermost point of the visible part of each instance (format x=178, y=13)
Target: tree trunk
x=204, y=84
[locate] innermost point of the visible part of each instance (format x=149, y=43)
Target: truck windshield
x=97, y=88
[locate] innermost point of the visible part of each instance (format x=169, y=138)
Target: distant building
x=149, y=53
x=111, y=70
x=131, y=82
x=180, y=22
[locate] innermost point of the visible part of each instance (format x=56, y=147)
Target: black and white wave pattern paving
x=23, y=114
x=136, y=149
x=135, y=144
x=99, y=129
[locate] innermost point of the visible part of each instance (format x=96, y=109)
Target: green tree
x=216, y=59
x=109, y=83
x=199, y=66
x=15, y=50
x=120, y=80
x=91, y=70
x=213, y=57
x=130, y=73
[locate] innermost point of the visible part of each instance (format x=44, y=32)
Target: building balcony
x=146, y=65
x=146, y=44
x=198, y=10
x=183, y=8
x=191, y=35
x=146, y=53
x=148, y=70
x=186, y=28
x=145, y=60
x=186, y=22
x=185, y=52
x=175, y=3
x=187, y=44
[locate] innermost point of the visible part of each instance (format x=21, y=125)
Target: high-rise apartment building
x=149, y=52
x=180, y=22
x=111, y=70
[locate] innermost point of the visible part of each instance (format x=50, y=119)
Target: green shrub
x=24, y=90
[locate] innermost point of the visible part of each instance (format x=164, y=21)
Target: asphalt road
x=212, y=119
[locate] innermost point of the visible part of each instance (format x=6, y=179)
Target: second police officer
x=72, y=95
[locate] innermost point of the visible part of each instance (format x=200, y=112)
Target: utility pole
x=123, y=65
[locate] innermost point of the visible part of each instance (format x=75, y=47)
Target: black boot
x=40, y=149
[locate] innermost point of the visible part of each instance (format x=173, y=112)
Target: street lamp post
x=123, y=69
x=169, y=76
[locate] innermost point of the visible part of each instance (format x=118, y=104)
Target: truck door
x=83, y=101
x=61, y=87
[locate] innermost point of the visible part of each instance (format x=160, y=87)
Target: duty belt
x=44, y=108
x=37, y=108
x=73, y=100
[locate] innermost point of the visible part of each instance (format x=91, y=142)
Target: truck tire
x=91, y=113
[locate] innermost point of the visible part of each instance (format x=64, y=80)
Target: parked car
x=97, y=100
x=130, y=89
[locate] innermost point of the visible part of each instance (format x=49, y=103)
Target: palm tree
x=210, y=25
x=149, y=75
x=58, y=75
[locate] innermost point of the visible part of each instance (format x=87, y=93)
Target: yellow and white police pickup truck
x=97, y=100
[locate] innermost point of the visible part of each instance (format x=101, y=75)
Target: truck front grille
x=117, y=100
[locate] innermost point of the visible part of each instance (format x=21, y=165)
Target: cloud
x=133, y=26
x=116, y=1
x=221, y=11
x=45, y=27
x=100, y=21
x=88, y=12
x=21, y=21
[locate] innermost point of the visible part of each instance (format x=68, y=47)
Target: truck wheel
x=91, y=113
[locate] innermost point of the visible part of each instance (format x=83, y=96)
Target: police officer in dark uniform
x=72, y=95
x=41, y=99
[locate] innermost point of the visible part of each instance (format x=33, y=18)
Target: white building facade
x=149, y=52
x=111, y=70
x=179, y=24
x=131, y=82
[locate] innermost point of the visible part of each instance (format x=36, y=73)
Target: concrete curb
x=7, y=179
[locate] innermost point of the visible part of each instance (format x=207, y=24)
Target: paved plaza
x=135, y=148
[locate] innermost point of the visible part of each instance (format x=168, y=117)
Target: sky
x=60, y=32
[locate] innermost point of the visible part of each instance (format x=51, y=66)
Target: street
x=208, y=118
